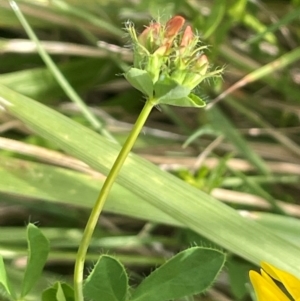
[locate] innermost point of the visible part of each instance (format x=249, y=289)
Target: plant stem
x=94, y=216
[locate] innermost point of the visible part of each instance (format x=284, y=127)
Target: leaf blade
x=38, y=249
x=202, y=213
x=188, y=273
x=107, y=281
x=4, y=282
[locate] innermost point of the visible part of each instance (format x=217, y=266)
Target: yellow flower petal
x=265, y=288
x=290, y=282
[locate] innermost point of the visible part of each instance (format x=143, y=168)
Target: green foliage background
x=243, y=149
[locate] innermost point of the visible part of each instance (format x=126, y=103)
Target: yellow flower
x=267, y=290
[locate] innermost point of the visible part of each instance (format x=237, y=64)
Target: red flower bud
x=173, y=26
x=187, y=37
x=201, y=64
x=167, y=51
x=150, y=34
x=162, y=50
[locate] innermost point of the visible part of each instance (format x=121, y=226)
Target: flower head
x=267, y=290
x=172, y=57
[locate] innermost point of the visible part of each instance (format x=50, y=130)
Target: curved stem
x=94, y=216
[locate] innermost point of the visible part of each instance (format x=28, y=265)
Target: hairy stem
x=94, y=216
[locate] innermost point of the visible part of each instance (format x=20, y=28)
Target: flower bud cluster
x=168, y=51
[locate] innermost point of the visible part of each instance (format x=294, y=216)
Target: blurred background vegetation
x=243, y=148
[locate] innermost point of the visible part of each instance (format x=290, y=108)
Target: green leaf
x=108, y=281
x=175, y=198
x=38, y=249
x=168, y=91
x=64, y=292
x=4, y=283
x=182, y=102
x=49, y=294
x=58, y=292
x=188, y=273
x=71, y=188
x=238, y=273
x=141, y=80
x=197, y=101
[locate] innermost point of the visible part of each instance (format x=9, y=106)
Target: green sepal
x=198, y=102
x=141, y=80
x=168, y=91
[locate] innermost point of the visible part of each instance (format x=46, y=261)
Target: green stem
x=94, y=216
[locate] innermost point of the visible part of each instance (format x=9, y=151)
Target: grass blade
x=195, y=209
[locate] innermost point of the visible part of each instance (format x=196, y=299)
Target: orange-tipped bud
x=149, y=36
x=162, y=50
x=173, y=26
x=168, y=53
x=187, y=37
x=202, y=64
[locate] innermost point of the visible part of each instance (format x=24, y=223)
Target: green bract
x=168, y=63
